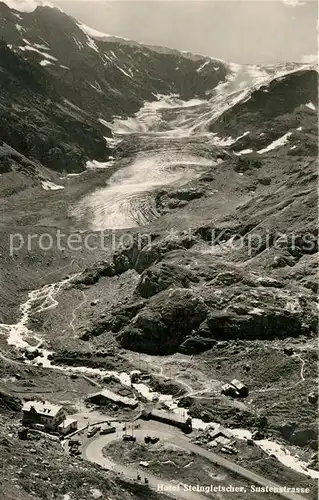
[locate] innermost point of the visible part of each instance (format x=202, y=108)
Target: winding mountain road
x=94, y=453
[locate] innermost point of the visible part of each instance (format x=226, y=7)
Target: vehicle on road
x=75, y=451
x=93, y=431
x=149, y=439
x=74, y=442
x=108, y=430
x=128, y=437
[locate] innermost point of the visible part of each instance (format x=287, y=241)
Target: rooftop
x=42, y=408
x=220, y=431
x=66, y=422
x=112, y=396
x=237, y=383
x=175, y=417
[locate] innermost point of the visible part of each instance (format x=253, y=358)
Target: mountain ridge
x=159, y=213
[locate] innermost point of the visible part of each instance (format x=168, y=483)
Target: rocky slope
x=39, y=124
x=286, y=105
x=61, y=81
x=213, y=185
x=243, y=270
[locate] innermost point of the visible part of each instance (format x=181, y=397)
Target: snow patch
x=310, y=105
x=123, y=71
x=96, y=165
x=279, y=451
x=256, y=310
x=112, y=142
x=202, y=66
x=228, y=141
x=78, y=43
x=41, y=46
x=50, y=186
x=45, y=62
x=243, y=152
x=91, y=31
x=31, y=48
x=91, y=43
x=276, y=144
x=100, y=35
x=96, y=87
x=105, y=123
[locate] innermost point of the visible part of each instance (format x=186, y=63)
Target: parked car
x=128, y=437
x=107, y=430
x=149, y=439
x=93, y=431
x=74, y=441
x=75, y=451
x=154, y=439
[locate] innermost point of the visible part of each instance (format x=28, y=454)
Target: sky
x=242, y=31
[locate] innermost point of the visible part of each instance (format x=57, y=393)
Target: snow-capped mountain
x=124, y=74
x=155, y=201
x=67, y=83
x=61, y=81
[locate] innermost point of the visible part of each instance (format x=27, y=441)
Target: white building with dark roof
x=68, y=425
x=240, y=387
x=44, y=413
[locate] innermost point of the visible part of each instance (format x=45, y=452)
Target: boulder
x=265, y=181
x=304, y=437
x=91, y=275
x=196, y=345
x=313, y=397
x=288, y=351
x=163, y=275
x=165, y=322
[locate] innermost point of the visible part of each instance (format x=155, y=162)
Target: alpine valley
x=158, y=241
